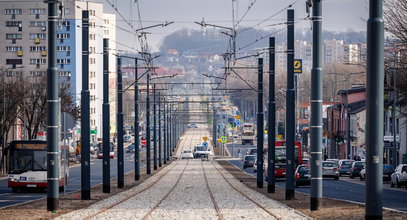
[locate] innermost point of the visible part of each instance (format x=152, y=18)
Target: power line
x=247, y=11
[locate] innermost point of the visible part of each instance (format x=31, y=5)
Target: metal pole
x=290, y=106
x=374, y=111
x=148, y=125
x=136, y=125
x=65, y=155
x=85, y=110
x=165, y=132
x=106, y=118
x=393, y=115
x=348, y=151
x=260, y=125
x=159, y=131
x=155, y=127
x=53, y=151
x=271, y=180
x=120, y=164
x=316, y=107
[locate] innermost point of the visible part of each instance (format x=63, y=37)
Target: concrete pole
x=120, y=161
x=260, y=125
x=374, y=111
x=53, y=150
x=136, y=124
x=290, y=107
x=316, y=107
x=106, y=118
x=85, y=110
x=271, y=178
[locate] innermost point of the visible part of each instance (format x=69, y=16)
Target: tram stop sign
x=298, y=66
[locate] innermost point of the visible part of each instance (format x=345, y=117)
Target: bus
x=28, y=165
x=280, y=160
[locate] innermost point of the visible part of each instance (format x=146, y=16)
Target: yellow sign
x=223, y=139
x=298, y=66
x=204, y=138
x=280, y=136
x=237, y=117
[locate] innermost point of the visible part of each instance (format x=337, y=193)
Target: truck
x=248, y=135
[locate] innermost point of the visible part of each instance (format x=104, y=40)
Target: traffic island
x=331, y=208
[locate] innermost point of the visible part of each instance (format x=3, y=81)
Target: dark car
x=249, y=161
x=344, y=166
x=130, y=148
x=357, y=166
x=302, y=176
x=388, y=170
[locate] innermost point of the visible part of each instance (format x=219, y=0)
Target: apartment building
x=23, y=38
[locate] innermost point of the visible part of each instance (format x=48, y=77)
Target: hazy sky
x=338, y=15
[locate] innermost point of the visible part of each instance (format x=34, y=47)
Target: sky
x=338, y=15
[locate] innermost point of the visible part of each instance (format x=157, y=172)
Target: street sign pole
x=260, y=125
x=271, y=185
x=316, y=108
x=374, y=111
x=290, y=106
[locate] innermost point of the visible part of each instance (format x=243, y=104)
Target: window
x=37, y=48
x=13, y=36
x=14, y=73
x=92, y=60
x=65, y=73
x=92, y=50
x=64, y=23
x=37, y=73
x=40, y=36
x=63, y=48
x=38, y=23
x=63, y=61
x=13, y=23
x=36, y=11
x=14, y=61
x=14, y=11
x=13, y=48
x=67, y=11
x=63, y=36
x=37, y=61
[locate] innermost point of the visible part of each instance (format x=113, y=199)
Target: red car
x=280, y=171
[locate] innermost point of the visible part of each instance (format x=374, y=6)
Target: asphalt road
x=7, y=198
x=344, y=188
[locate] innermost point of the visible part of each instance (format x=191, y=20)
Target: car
x=302, y=176
x=279, y=170
x=201, y=151
x=127, y=138
x=305, y=161
x=357, y=166
x=251, y=151
x=399, y=177
x=334, y=160
x=187, y=154
x=330, y=169
x=100, y=150
x=344, y=166
x=248, y=161
x=387, y=172
x=130, y=148
x=192, y=125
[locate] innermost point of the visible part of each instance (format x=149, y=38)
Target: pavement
x=7, y=198
x=344, y=188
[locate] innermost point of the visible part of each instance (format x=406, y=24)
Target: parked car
x=279, y=171
x=302, y=176
x=344, y=166
x=357, y=166
x=334, y=160
x=305, y=162
x=399, y=177
x=248, y=161
x=187, y=154
x=330, y=169
x=100, y=150
x=255, y=167
x=387, y=172
x=252, y=151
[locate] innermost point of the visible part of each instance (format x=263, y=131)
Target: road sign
x=237, y=123
x=298, y=66
x=223, y=139
x=280, y=137
x=237, y=117
x=204, y=139
x=390, y=138
x=93, y=131
x=205, y=144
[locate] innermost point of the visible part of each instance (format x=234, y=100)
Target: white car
x=187, y=154
x=399, y=177
x=330, y=169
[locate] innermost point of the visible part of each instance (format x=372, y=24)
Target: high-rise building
x=23, y=38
